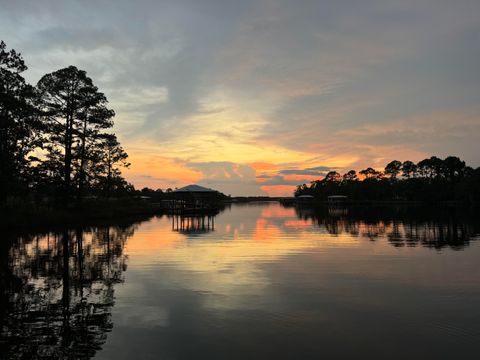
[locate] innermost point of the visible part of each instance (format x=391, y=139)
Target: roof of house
x=194, y=188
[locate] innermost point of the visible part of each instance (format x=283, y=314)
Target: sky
x=255, y=97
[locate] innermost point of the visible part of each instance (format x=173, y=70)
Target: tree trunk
x=68, y=160
x=81, y=175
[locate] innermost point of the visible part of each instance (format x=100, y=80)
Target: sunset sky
x=254, y=97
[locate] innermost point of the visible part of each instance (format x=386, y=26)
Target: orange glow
x=297, y=223
x=279, y=190
x=260, y=180
x=278, y=212
x=245, y=156
x=265, y=231
x=264, y=167
x=301, y=178
x=151, y=241
x=156, y=171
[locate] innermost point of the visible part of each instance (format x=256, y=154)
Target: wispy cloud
x=252, y=96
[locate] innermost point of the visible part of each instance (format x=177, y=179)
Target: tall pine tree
x=18, y=123
x=75, y=112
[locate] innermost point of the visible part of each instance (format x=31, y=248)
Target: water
x=258, y=281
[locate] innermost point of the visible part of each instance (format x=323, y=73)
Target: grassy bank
x=27, y=214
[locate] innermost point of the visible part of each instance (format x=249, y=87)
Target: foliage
x=18, y=124
x=53, y=139
x=431, y=179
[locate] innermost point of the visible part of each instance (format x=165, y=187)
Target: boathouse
x=195, y=198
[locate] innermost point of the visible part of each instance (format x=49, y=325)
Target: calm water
x=258, y=281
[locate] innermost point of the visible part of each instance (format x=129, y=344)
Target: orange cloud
x=279, y=190
x=300, y=178
x=154, y=171
x=264, y=166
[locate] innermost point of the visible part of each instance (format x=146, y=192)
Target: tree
x=454, y=168
x=440, y=180
x=371, y=173
x=112, y=159
x=425, y=169
x=18, y=125
x=92, y=141
x=74, y=112
x=350, y=176
x=393, y=168
x=409, y=169
x=436, y=166
x=332, y=176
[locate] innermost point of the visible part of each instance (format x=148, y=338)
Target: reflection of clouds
x=144, y=316
x=297, y=223
x=302, y=283
x=227, y=265
x=277, y=212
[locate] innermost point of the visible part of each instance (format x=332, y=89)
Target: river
x=257, y=281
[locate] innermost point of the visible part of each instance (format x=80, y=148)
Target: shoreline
x=35, y=216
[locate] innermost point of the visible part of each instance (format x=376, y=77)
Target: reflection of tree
x=402, y=226
x=57, y=292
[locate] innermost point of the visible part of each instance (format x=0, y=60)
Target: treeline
x=431, y=179
x=169, y=194
x=54, y=140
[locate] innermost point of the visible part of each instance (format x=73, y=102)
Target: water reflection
x=268, y=283
x=257, y=281
x=57, y=291
x=402, y=226
x=193, y=224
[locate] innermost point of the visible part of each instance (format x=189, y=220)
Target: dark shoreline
x=34, y=216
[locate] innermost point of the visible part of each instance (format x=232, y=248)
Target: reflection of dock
x=193, y=224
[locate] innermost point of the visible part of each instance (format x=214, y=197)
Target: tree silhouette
x=393, y=168
x=454, y=168
x=409, y=169
x=74, y=112
x=350, y=176
x=110, y=160
x=371, y=173
x=333, y=176
x=18, y=125
x=432, y=179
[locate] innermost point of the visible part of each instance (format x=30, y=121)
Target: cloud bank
x=254, y=97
